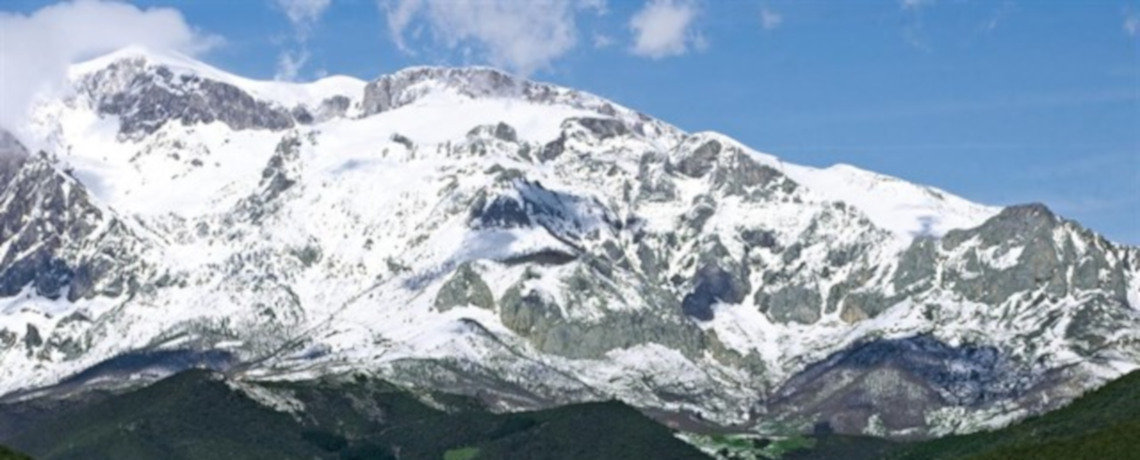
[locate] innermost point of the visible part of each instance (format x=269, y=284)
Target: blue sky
x=1000, y=102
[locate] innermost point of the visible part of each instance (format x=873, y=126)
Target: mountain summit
x=471, y=232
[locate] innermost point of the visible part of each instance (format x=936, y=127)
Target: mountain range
x=470, y=232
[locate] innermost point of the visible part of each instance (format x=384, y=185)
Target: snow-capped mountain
x=469, y=231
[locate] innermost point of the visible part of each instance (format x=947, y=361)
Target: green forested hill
x=9, y=454
x=196, y=414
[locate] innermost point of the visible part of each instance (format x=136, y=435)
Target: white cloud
x=304, y=15
x=400, y=14
x=663, y=28
x=770, y=19
x=602, y=41
x=289, y=64
x=36, y=49
x=1132, y=23
x=524, y=36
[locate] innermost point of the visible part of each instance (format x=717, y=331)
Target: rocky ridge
x=468, y=231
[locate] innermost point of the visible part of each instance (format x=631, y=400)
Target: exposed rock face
x=568, y=217
x=602, y=128
x=791, y=304
x=57, y=241
x=530, y=311
x=145, y=97
x=331, y=108
x=407, y=86
x=720, y=279
x=279, y=174
x=500, y=131
x=465, y=287
x=608, y=255
x=1036, y=250
x=892, y=385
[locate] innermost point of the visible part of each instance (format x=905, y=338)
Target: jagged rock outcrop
x=56, y=240
x=607, y=255
x=406, y=86
x=464, y=288
x=146, y=96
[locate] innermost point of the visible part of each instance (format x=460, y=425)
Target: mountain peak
x=465, y=83
x=131, y=61
x=538, y=243
x=141, y=56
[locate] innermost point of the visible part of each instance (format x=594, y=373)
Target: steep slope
x=531, y=245
x=1100, y=424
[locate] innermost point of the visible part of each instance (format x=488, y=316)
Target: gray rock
x=601, y=128
x=1095, y=324
x=396, y=90
x=916, y=266
x=553, y=149
x=649, y=262
x=1043, y=263
x=759, y=238
x=333, y=107
x=704, y=207
x=153, y=96
x=45, y=218
x=7, y=339
x=276, y=178
x=739, y=173
x=701, y=160
x=32, y=337
x=719, y=279
x=791, y=304
x=406, y=86
x=403, y=140
x=500, y=131
x=537, y=316
x=465, y=287
x=858, y=306
x=502, y=212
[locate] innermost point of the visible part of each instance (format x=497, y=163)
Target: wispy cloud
x=914, y=4
x=914, y=27
x=304, y=16
x=1131, y=22
x=998, y=15
x=523, y=36
x=770, y=19
x=290, y=63
x=602, y=40
x=35, y=49
x=664, y=28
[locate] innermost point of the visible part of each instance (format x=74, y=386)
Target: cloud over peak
x=522, y=36
x=303, y=15
x=66, y=32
